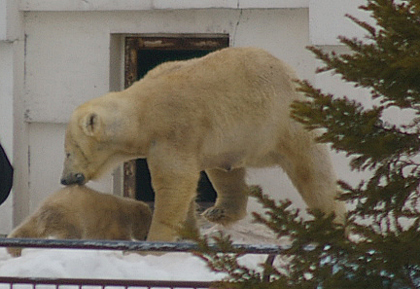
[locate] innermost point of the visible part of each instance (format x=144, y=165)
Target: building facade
x=55, y=55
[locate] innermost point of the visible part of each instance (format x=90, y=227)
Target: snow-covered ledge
x=136, y=5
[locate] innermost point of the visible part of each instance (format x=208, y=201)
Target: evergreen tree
x=387, y=252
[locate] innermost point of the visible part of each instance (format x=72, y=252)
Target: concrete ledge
x=266, y=4
x=10, y=21
x=137, y=5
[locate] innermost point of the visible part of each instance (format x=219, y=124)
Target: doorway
x=142, y=53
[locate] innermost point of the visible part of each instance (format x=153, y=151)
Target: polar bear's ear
x=91, y=124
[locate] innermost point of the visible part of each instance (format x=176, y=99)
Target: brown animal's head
x=90, y=144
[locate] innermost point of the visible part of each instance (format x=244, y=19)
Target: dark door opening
x=139, y=60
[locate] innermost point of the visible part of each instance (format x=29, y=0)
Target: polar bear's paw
x=220, y=215
x=14, y=251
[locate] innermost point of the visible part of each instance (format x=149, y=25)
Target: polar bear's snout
x=71, y=179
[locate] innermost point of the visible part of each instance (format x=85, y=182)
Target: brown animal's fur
x=220, y=113
x=78, y=212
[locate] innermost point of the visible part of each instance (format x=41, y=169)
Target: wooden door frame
x=134, y=43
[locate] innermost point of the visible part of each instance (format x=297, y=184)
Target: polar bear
x=78, y=212
x=221, y=113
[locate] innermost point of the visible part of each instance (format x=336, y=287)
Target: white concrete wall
x=327, y=20
x=66, y=66
x=10, y=21
x=12, y=127
x=72, y=53
x=6, y=123
x=135, y=5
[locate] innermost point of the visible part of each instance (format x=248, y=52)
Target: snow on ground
x=66, y=263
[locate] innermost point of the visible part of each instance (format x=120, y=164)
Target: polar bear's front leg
x=232, y=196
x=175, y=186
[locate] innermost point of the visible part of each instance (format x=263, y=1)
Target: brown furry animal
x=78, y=212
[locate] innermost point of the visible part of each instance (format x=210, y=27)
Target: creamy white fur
x=220, y=113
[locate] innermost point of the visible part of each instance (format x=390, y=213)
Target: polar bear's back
x=242, y=83
x=229, y=100
x=233, y=68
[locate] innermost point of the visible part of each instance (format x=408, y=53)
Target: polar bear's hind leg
x=232, y=196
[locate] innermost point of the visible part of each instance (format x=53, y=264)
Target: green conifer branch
x=378, y=247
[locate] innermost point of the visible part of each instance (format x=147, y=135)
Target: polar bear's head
x=90, y=142
x=84, y=146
